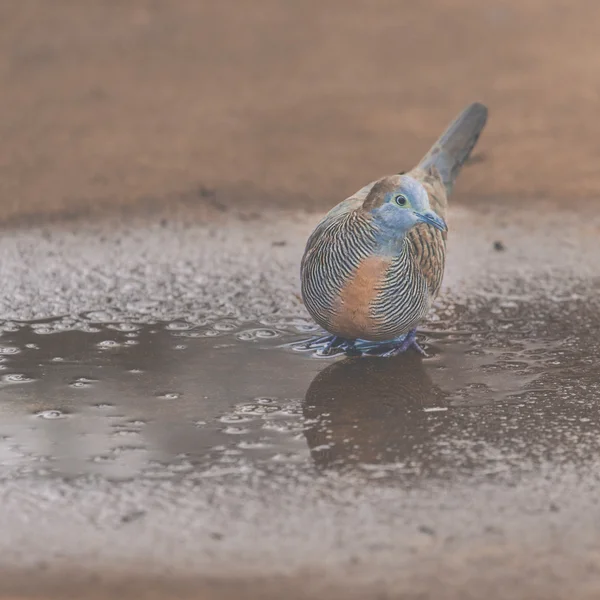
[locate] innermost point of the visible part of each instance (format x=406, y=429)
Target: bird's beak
x=433, y=219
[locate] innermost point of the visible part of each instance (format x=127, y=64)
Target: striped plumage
x=399, y=296
x=374, y=265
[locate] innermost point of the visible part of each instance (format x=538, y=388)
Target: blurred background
x=288, y=103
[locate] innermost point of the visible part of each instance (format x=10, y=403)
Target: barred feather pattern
x=403, y=297
x=333, y=253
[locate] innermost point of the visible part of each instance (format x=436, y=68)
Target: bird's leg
x=349, y=347
x=405, y=344
x=343, y=344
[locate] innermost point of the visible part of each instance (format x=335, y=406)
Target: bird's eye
x=401, y=200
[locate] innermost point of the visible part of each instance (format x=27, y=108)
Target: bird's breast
x=352, y=316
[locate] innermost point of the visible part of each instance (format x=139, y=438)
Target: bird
x=374, y=265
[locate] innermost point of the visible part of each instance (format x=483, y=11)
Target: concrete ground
x=165, y=161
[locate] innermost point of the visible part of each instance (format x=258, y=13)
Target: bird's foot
x=327, y=344
x=410, y=341
x=395, y=347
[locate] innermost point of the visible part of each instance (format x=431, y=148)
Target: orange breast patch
x=352, y=315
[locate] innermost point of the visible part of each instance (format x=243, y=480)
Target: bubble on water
x=51, y=414
x=42, y=329
x=82, y=382
x=135, y=371
x=178, y=326
x=16, y=378
x=125, y=327
x=32, y=346
x=180, y=347
x=265, y=400
x=256, y=409
x=225, y=326
x=255, y=334
x=104, y=405
x=169, y=395
x=107, y=344
x=200, y=423
x=126, y=432
x=9, y=350
x=131, y=342
x=234, y=419
x=58, y=359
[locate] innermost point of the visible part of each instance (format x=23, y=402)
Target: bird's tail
x=454, y=146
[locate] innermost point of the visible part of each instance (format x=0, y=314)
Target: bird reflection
x=369, y=410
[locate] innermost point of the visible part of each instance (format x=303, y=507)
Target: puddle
x=508, y=388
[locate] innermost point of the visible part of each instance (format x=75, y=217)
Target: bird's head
x=399, y=202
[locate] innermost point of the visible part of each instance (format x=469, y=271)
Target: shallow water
x=507, y=387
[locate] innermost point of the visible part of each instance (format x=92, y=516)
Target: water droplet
x=51, y=414
x=82, y=382
x=178, y=326
x=16, y=378
x=107, y=344
x=266, y=400
x=42, y=329
x=253, y=334
x=9, y=350
x=123, y=326
x=257, y=409
x=234, y=419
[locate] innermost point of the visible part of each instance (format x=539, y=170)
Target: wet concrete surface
x=162, y=436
